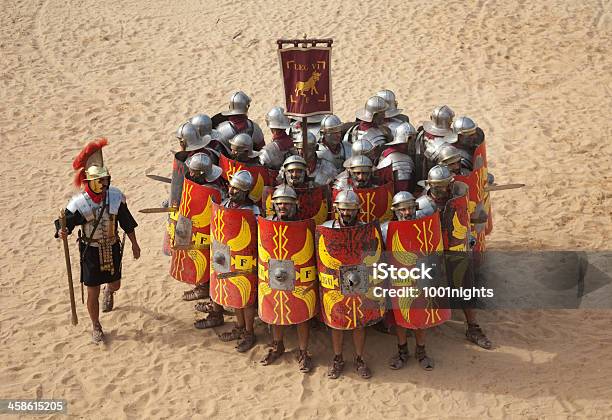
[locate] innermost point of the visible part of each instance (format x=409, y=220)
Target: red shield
x=375, y=202
x=176, y=187
x=410, y=242
x=344, y=261
x=476, y=204
x=306, y=74
x=191, y=238
x=312, y=202
x=287, y=288
x=233, y=269
x=455, y=234
x=261, y=175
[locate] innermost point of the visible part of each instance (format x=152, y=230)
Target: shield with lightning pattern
x=455, y=234
x=375, y=202
x=410, y=243
x=345, y=256
x=191, y=239
x=287, y=290
x=233, y=268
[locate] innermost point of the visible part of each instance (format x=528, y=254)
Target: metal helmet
x=276, y=118
x=405, y=133
x=361, y=147
x=243, y=180
x=331, y=124
x=347, y=199
x=389, y=98
x=464, y=125
x=439, y=121
x=202, y=123
x=439, y=175
x=311, y=141
x=373, y=106
x=360, y=161
x=244, y=142
x=448, y=155
x=188, y=135
x=284, y=194
x=295, y=162
x=239, y=104
x=96, y=172
x=403, y=199
x=202, y=163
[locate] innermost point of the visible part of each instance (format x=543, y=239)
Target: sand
x=536, y=76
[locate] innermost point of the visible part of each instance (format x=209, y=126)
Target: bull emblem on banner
x=309, y=85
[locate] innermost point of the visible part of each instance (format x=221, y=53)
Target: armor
x=331, y=124
x=287, y=290
x=276, y=118
x=345, y=254
x=226, y=131
x=313, y=122
x=359, y=161
x=202, y=123
x=90, y=210
x=284, y=194
x=295, y=161
x=313, y=202
x=403, y=199
x=439, y=121
x=374, y=202
x=190, y=139
x=311, y=142
x=401, y=164
x=347, y=199
x=337, y=159
x=200, y=162
x=405, y=133
x=464, y=125
x=233, y=275
x=389, y=98
x=373, y=106
x=377, y=136
x=243, y=180
x=243, y=141
x=239, y=104
x=272, y=156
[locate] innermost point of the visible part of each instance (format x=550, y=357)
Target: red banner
x=306, y=74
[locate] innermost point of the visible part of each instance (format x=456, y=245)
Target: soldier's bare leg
x=337, y=365
x=245, y=319
x=108, y=301
x=401, y=357
x=359, y=336
x=93, y=307
x=473, y=332
x=304, y=360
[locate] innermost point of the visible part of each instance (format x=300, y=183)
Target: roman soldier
x=346, y=250
x=449, y=197
x=233, y=278
x=452, y=157
x=371, y=123
x=238, y=121
x=241, y=149
x=407, y=242
x=331, y=145
x=313, y=122
x=322, y=171
x=393, y=115
x=203, y=124
x=273, y=154
x=201, y=172
x=98, y=209
x=363, y=147
x=396, y=156
x=467, y=137
x=438, y=126
x=359, y=174
x=287, y=275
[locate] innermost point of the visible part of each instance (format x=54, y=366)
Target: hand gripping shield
x=345, y=257
x=261, y=175
x=287, y=290
x=191, y=243
x=176, y=188
x=233, y=269
x=410, y=243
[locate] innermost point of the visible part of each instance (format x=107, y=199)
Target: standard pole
x=74, y=319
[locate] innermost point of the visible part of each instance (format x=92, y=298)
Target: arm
x=72, y=220
x=128, y=224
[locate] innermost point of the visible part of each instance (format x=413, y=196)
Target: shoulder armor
x=426, y=206
x=226, y=132
x=384, y=228
x=402, y=165
x=83, y=204
x=325, y=172
x=393, y=124
x=341, y=181
x=253, y=208
x=271, y=156
x=377, y=136
x=115, y=198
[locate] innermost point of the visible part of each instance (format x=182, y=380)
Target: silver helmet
x=200, y=162
x=448, y=155
x=405, y=133
x=360, y=161
x=243, y=141
x=189, y=137
x=389, y=98
x=284, y=194
x=464, y=125
x=295, y=161
x=439, y=121
x=202, y=123
x=403, y=199
x=243, y=180
x=311, y=142
x=331, y=124
x=276, y=118
x=239, y=104
x=347, y=199
x=439, y=175
x=373, y=106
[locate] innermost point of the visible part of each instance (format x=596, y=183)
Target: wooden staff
x=62, y=218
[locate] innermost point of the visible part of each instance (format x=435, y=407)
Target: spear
x=62, y=218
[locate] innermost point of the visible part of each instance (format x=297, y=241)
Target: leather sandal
x=214, y=319
x=246, y=343
x=304, y=361
x=362, y=369
x=400, y=358
x=276, y=351
x=475, y=334
x=424, y=361
x=336, y=368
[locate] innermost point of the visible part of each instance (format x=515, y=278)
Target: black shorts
x=91, y=275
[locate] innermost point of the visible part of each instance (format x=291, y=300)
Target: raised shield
x=233, y=269
x=176, y=187
x=345, y=257
x=191, y=239
x=312, y=203
x=261, y=175
x=479, y=163
x=455, y=235
x=476, y=204
x=410, y=243
x=287, y=271
x=375, y=202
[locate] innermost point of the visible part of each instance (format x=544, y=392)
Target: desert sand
x=536, y=76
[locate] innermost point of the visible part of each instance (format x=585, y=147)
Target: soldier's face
x=405, y=213
x=467, y=140
x=99, y=185
x=347, y=217
x=239, y=153
x=440, y=191
x=236, y=195
x=197, y=176
x=455, y=168
x=285, y=211
x=333, y=138
x=296, y=176
x=310, y=151
x=361, y=178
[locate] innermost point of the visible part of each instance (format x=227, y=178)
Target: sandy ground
x=534, y=75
